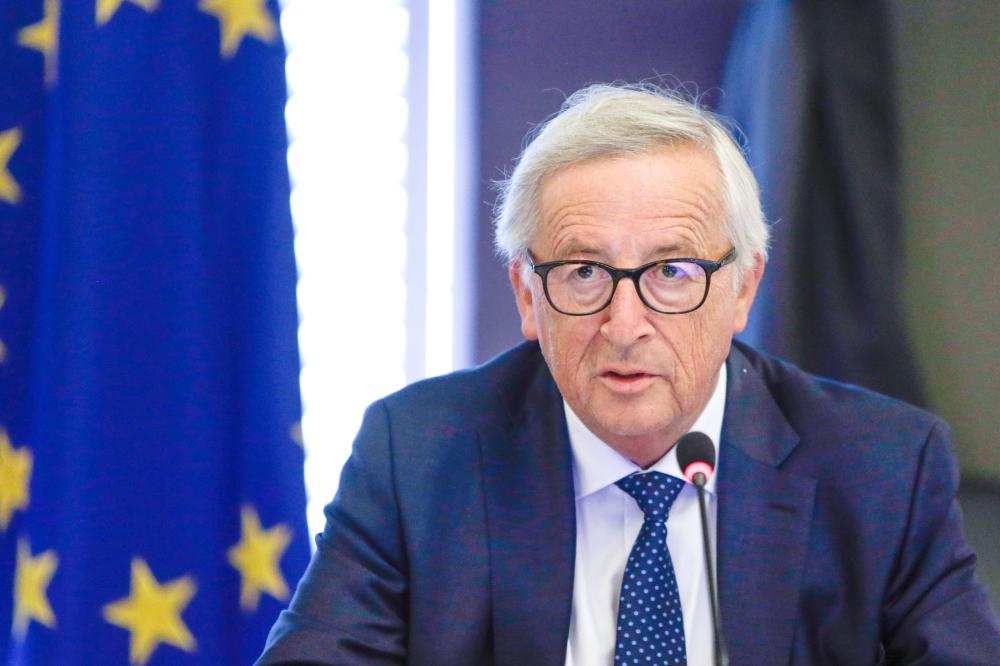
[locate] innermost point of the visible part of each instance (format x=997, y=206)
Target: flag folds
x=152, y=508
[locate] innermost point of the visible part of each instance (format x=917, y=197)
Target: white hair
x=605, y=120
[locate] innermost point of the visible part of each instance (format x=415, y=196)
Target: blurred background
x=228, y=226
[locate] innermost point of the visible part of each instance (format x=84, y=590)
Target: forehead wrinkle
x=699, y=210
x=696, y=205
x=672, y=240
x=580, y=210
x=568, y=240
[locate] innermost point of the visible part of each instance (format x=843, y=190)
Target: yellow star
x=15, y=475
x=295, y=434
x=44, y=37
x=31, y=578
x=10, y=191
x=152, y=613
x=238, y=18
x=105, y=9
x=256, y=556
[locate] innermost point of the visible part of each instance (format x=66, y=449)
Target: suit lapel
x=530, y=513
x=763, y=521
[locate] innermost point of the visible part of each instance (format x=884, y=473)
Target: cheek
x=697, y=344
x=714, y=335
x=683, y=339
x=565, y=342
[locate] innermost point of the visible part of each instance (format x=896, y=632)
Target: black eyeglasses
x=668, y=286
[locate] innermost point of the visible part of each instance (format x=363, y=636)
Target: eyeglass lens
x=671, y=286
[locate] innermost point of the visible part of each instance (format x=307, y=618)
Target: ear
x=748, y=290
x=525, y=299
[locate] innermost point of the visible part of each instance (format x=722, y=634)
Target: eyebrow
x=671, y=251
x=577, y=247
x=582, y=251
x=574, y=248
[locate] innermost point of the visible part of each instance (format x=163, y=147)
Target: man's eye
x=584, y=272
x=671, y=272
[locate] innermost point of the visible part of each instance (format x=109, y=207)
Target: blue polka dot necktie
x=650, y=622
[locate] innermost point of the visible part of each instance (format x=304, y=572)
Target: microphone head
x=696, y=453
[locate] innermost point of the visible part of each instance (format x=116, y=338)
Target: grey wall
x=949, y=92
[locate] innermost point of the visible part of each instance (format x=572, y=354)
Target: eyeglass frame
x=543, y=269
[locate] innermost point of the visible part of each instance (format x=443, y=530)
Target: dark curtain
x=812, y=85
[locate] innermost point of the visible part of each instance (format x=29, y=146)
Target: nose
x=628, y=318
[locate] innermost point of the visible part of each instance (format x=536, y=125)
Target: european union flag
x=152, y=508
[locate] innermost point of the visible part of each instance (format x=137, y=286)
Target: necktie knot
x=654, y=492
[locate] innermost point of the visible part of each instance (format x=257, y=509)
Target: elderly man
x=517, y=513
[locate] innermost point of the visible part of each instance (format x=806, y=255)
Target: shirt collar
x=596, y=465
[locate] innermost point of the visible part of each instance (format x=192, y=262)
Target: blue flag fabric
x=152, y=508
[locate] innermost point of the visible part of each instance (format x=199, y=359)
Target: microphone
x=696, y=456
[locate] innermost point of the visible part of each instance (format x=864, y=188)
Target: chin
x=626, y=423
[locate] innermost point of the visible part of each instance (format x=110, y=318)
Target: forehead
x=667, y=200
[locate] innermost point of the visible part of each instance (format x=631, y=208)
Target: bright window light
x=372, y=117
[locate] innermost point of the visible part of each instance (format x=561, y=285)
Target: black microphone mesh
x=695, y=447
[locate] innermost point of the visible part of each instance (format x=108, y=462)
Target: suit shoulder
x=485, y=389
x=812, y=402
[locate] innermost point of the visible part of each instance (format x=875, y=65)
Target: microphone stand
x=721, y=657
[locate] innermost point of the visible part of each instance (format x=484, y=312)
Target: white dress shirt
x=607, y=524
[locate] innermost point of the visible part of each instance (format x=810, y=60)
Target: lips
x=626, y=380
x=624, y=376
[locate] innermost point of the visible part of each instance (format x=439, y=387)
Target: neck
x=648, y=450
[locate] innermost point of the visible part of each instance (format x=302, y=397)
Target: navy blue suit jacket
x=452, y=537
